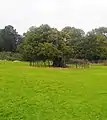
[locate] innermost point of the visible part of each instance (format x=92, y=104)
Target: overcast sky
x=22, y=14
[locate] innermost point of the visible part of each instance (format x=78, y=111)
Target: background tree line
x=44, y=43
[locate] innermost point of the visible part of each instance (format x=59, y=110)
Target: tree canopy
x=9, y=39
x=49, y=44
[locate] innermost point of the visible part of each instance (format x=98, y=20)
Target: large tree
x=45, y=43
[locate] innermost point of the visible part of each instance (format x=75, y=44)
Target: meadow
x=29, y=93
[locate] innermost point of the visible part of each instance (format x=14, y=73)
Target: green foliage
x=10, y=56
x=9, y=39
x=47, y=50
x=94, y=46
x=44, y=43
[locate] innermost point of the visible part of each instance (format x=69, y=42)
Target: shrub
x=79, y=62
x=10, y=56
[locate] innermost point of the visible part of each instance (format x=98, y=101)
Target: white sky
x=22, y=14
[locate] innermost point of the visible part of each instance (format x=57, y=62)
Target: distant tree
x=93, y=46
x=9, y=39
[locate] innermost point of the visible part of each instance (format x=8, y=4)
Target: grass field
x=52, y=94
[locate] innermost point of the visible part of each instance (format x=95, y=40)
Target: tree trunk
x=48, y=63
x=59, y=62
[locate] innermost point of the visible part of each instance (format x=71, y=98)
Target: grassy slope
x=52, y=94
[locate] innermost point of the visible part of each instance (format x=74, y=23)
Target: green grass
x=52, y=94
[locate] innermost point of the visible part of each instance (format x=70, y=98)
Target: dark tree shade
x=9, y=39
